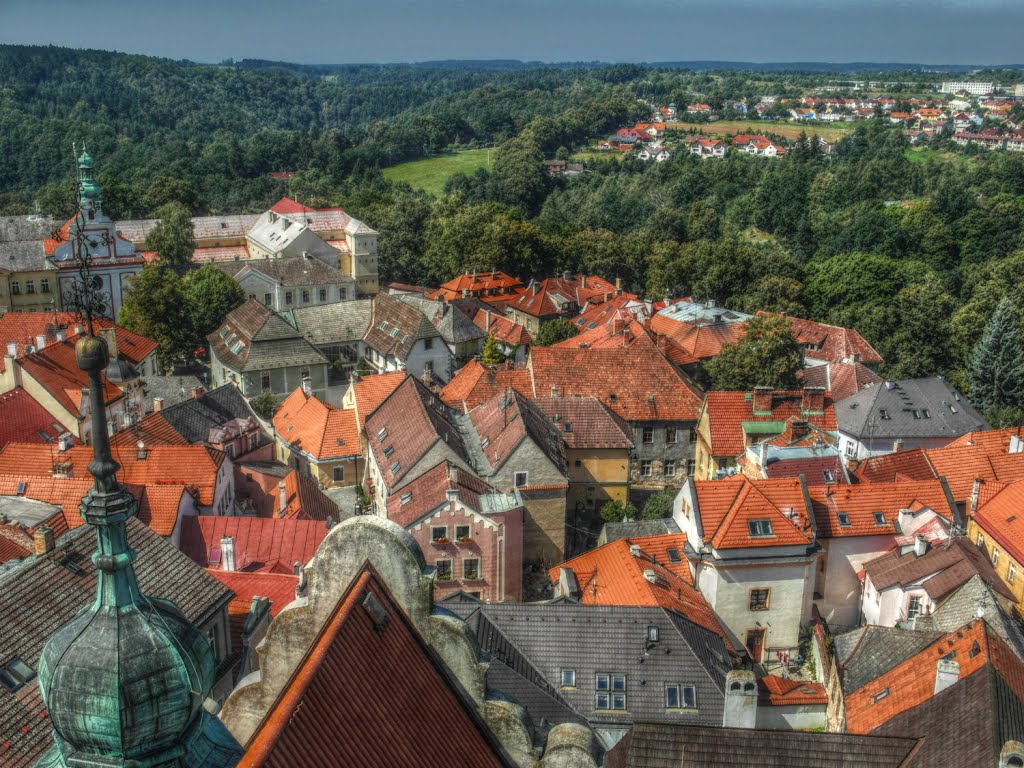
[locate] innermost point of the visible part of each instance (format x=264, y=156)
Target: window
x=15, y=287
x=759, y=599
x=673, y=555
x=405, y=498
x=394, y=332
x=648, y=435
x=264, y=382
x=568, y=678
x=339, y=474
x=915, y=608
x=30, y=286
x=916, y=413
x=461, y=532
x=444, y=570
x=646, y=468
x=981, y=540
x=395, y=467
x=428, y=343
x=760, y=528
x=851, y=450
x=15, y=674
x=693, y=435
x=670, y=468
x=995, y=557
x=844, y=520
x=827, y=474
x=691, y=465
x=520, y=479
x=884, y=414
x=388, y=450
x=252, y=296
x=879, y=518
x=44, y=285
x=471, y=568
x=439, y=533
x=880, y=695
x=342, y=293
x=671, y=436
x=305, y=297
x=926, y=413
x=287, y=297
x=267, y=299
x=323, y=295
x=652, y=634
x=680, y=696
x=1011, y=573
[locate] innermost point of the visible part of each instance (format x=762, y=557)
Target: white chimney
x=61, y=336
x=1016, y=443
x=158, y=404
x=634, y=550
x=41, y=341
x=12, y=352
x=307, y=386
x=282, y=497
x=65, y=441
x=902, y=518
x=487, y=320
x=227, y=553
x=947, y=672
x=740, y=700
x=920, y=546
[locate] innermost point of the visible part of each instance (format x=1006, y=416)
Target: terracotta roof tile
x=305, y=501
x=430, y=490
x=841, y=379
x=833, y=343
x=586, y=422
x=504, y=330
x=728, y=412
x=279, y=588
x=474, y=383
x=859, y=503
x=1001, y=517
x=315, y=428
x=24, y=420
x=699, y=341
x=481, y=285
x=557, y=296
x=261, y=544
x=729, y=506
x=57, y=371
x=504, y=421
x=781, y=692
x=371, y=391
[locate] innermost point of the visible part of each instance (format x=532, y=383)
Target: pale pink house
x=471, y=534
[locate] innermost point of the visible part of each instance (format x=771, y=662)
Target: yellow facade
x=1010, y=570
x=597, y=476
x=328, y=474
x=30, y=291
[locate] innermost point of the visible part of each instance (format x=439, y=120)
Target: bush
x=264, y=405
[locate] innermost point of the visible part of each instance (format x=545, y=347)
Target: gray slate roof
x=868, y=652
x=270, y=341
x=539, y=640
x=194, y=418
x=342, y=322
x=632, y=529
x=651, y=745
x=296, y=271
x=21, y=243
x=974, y=599
x=44, y=593
x=454, y=325
x=173, y=389
x=887, y=410
x=395, y=326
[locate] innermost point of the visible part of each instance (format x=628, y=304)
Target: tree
x=264, y=405
x=173, y=237
x=615, y=511
x=996, y=368
x=491, y=353
x=555, y=331
x=155, y=306
x=659, y=505
x=210, y=294
x=768, y=355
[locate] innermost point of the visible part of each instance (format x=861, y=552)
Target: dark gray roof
x=268, y=339
x=173, y=389
x=657, y=745
x=194, y=418
x=867, y=653
x=977, y=599
x=338, y=323
x=395, y=326
x=964, y=725
x=21, y=242
x=632, y=529
x=454, y=325
x=542, y=639
x=293, y=271
x=45, y=593
x=863, y=415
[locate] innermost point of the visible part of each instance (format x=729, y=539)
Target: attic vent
x=341, y=441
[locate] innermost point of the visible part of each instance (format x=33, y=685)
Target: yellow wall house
x=996, y=525
x=318, y=440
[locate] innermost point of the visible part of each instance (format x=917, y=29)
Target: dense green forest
x=914, y=250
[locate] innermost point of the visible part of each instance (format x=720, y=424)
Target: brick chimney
x=762, y=400
x=618, y=324
x=109, y=335
x=813, y=400
x=43, y=539
x=158, y=404
x=798, y=430
x=198, y=392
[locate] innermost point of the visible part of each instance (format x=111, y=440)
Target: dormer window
x=827, y=474
x=844, y=520
x=16, y=674
x=760, y=528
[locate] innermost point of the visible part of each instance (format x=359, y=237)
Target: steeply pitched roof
x=730, y=413
x=841, y=379
x=315, y=428
x=585, y=422
x=859, y=503
x=395, y=326
x=56, y=370
x=999, y=518
x=910, y=408
x=453, y=324
x=504, y=421
x=290, y=272
x=482, y=284
x=266, y=545
x=475, y=382
x=653, y=745
x=832, y=343
x=866, y=653
x=305, y=501
x=637, y=382
x=44, y=593
x=729, y=506
x=364, y=657
x=430, y=490
x=504, y=330
x=338, y=323
x=193, y=419
x=24, y=420
x=558, y=296
x=371, y=391
x=253, y=337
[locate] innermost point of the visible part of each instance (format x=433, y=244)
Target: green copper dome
x=89, y=189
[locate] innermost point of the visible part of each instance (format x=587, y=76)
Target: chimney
x=740, y=699
x=40, y=341
x=763, y=453
x=1016, y=443
x=634, y=550
x=799, y=429
x=60, y=334
x=618, y=324
x=227, y=553
x=947, y=672
x=568, y=586
x=920, y=545
x=487, y=320
x=141, y=452
x=307, y=386
x=109, y=335
x=64, y=441
x=762, y=401
x=43, y=539
x=554, y=390
x=307, y=255
x=282, y=497
x=12, y=352
x=158, y=404
x=712, y=303
x=903, y=518
x=813, y=400
x=618, y=286
x=79, y=330
x=198, y=392
x=897, y=445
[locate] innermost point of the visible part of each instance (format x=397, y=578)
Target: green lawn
x=921, y=154
x=431, y=174
x=783, y=128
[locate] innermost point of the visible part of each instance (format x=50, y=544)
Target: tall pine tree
x=996, y=367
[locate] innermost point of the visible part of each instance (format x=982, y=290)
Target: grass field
x=829, y=131
x=431, y=174
x=923, y=154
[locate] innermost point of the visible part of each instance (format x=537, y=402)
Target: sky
x=344, y=31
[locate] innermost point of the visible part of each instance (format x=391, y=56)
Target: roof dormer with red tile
x=556, y=297
x=319, y=438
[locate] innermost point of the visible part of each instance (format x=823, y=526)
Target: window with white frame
x=462, y=533
x=995, y=557
x=915, y=607
x=1011, y=573
x=760, y=528
x=678, y=696
x=669, y=468
x=444, y=570
x=568, y=678
x=471, y=568
x=16, y=674
x=439, y=533
x=646, y=467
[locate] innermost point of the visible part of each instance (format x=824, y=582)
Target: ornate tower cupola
x=125, y=681
x=90, y=194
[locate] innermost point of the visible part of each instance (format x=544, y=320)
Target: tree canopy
x=767, y=356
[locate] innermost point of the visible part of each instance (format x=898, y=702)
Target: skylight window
x=673, y=555
x=844, y=519
x=405, y=498
x=884, y=414
x=382, y=433
x=880, y=695
x=16, y=674
x=827, y=474
x=394, y=332
x=760, y=528
x=395, y=466
x=880, y=518
x=384, y=325
x=388, y=450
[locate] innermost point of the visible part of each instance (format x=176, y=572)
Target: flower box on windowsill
x=472, y=577
x=441, y=541
x=465, y=540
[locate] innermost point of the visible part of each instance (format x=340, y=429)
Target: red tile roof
x=1001, y=517
x=586, y=422
x=832, y=343
x=63, y=492
x=304, y=500
x=637, y=381
x=23, y=327
x=160, y=507
x=430, y=490
x=728, y=506
x=279, y=588
x=860, y=503
x=558, y=296
x=266, y=545
x=15, y=543
x=782, y=692
x=728, y=411
x=371, y=391
x=475, y=382
x=154, y=429
x=893, y=467
x=506, y=420
x=620, y=330
x=315, y=428
x=57, y=371
x=504, y=330
x=310, y=725
x=699, y=341
x=24, y=420
x=841, y=379
x=481, y=285
x=812, y=468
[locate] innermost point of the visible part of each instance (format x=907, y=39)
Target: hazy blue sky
x=336, y=31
